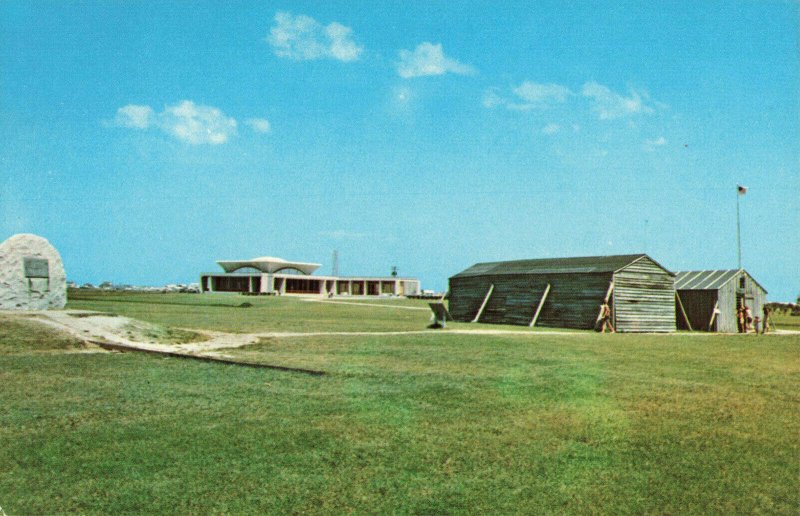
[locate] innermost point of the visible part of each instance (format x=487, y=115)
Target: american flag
x=742, y=189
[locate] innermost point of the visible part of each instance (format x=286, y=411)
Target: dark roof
x=585, y=264
x=708, y=280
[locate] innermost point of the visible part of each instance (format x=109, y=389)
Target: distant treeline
x=784, y=308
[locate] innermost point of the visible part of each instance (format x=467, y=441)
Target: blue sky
x=146, y=140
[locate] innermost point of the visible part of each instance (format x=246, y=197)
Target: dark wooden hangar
x=567, y=293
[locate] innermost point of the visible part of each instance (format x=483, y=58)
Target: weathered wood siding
x=755, y=298
x=573, y=302
x=699, y=306
x=726, y=318
x=758, y=295
x=644, y=298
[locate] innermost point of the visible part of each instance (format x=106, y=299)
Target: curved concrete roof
x=268, y=264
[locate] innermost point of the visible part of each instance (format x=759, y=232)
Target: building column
x=211, y=284
x=349, y=287
x=394, y=287
x=250, y=287
x=283, y=286
x=266, y=283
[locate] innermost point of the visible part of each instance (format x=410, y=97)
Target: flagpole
x=738, y=230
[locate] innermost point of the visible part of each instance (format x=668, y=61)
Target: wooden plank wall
x=699, y=305
x=726, y=319
x=727, y=295
x=644, y=298
x=573, y=300
x=759, y=297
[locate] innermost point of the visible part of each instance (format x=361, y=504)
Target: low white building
x=269, y=275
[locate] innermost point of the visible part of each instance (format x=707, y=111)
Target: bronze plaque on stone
x=36, y=268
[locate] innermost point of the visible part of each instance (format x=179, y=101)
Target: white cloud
x=609, y=105
x=259, y=125
x=186, y=121
x=541, y=94
x=651, y=144
x=528, y=95
x=196, y=125
x=551, y=129
x=429, y=59
x=492, y=99
x=342, y=46
x=134, y=116
x=303, y=38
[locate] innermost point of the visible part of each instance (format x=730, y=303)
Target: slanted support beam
x=685, y=318
x=483, y=305
x=713, y=315
x=539, y=308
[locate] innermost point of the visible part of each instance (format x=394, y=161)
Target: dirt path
x=133, y=333
x=366, y=304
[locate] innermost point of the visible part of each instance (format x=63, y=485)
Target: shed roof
x=708, y=280
x=575, y=265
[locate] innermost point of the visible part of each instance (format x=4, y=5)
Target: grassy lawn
x=21, y=336
x=786, y=321
x=417, y=423
x=225, y=312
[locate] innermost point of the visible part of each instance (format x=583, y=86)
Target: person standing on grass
x=748, y=319
x=740, y=318
x=765, y=321
x=605, y=314
x=756, y=323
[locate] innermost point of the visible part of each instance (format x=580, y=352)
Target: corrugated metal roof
x=704, y=280
x=586, y=264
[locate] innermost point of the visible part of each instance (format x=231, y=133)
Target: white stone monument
x=31, y=274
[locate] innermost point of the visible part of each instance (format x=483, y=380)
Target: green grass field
x=224, y=312
x=786, y=321
x=403, y=423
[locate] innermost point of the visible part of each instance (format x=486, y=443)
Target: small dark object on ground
x=245, y=305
